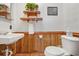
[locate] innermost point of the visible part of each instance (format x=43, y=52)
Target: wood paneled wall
x=32, y=43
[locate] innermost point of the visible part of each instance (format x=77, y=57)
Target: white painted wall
x=4, y=24
x=67, y=18
x=49, y=23
x=17, y=13
x=71, y=17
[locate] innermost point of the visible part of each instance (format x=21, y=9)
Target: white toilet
x=55, y=51
x=70, y=46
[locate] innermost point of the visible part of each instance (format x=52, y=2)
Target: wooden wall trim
x=56, y=32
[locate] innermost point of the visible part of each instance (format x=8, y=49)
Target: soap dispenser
x=10, y=27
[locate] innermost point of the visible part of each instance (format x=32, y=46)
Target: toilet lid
x=55, y=51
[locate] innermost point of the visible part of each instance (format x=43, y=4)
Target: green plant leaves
x=31, y=6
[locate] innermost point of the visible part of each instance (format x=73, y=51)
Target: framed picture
x=52, y=11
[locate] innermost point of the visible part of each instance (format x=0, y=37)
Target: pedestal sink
x=9, y=39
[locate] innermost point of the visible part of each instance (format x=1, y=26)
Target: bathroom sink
x=10, y=38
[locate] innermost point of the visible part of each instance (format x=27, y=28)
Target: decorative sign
x=52, y=11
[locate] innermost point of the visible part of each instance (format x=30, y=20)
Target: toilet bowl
x=70, y=46
x=55, y=51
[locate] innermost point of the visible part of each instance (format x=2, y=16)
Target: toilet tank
x=70, y=44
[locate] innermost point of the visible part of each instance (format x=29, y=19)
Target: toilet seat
x=55, y=51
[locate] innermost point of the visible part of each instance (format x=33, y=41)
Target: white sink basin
x=10, y=38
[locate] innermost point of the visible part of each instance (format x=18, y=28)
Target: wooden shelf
x=38, y=12
x=32, y=19
x=4, y=13
x=31, y=16
x=31, y=13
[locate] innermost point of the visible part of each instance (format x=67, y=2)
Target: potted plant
x=31, y=6
x=3, y=7
x=31, y=9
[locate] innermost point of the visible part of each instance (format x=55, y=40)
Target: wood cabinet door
x=27, y=43
x=30, y=43
x=41, y=43
x=55, y=39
